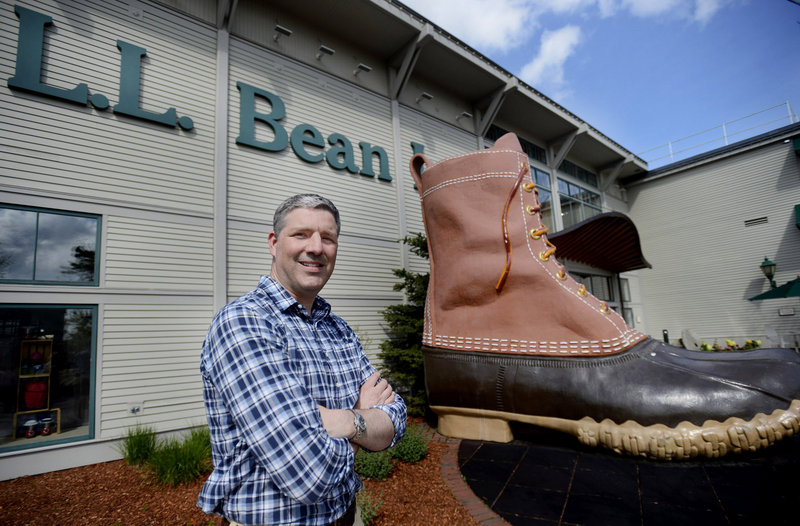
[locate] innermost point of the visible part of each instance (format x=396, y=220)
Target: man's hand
x=375, y=391
x=380, y=430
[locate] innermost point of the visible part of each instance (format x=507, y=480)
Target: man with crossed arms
x=289, y=393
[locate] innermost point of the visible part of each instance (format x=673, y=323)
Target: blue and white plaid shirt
x=266, y=365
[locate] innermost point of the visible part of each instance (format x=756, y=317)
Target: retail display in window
x=34, y=415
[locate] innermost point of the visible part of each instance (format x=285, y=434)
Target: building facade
x=707, y=225
x=146, y=145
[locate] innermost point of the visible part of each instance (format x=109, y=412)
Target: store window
x=47, y=357
x=577, y=203
x=542, y=180
x=581, y=174
x=48, y=246
x=599, y=286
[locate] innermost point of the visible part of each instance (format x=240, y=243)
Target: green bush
x=401, y=354
x=175, y=462
x=138, y=445
x=375, y=466
x=413, y=447
x=370, y=506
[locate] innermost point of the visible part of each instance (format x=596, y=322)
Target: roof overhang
x=606, y=241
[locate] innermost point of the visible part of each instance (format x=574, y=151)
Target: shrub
x=401, y=354
x=138, y=445
x=375, y=466
x=369, y=505
x=413, y=447
x=175, y=462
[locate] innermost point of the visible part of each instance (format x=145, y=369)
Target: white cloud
x=705, y=9
x=695, y=10
x=546, y=71
x=486, y=25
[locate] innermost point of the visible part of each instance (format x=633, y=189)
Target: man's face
x=304, y=253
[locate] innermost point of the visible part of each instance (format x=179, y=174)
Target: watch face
x=360, y=423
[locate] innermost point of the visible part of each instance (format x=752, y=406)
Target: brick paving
x=451, y=474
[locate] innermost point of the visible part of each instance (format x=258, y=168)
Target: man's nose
x=314, y=244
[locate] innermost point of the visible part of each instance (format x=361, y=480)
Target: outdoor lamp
x=768, y=268
x=324, y=50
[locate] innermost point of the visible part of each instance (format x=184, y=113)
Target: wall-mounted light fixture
x=464, y=115
x=361, y=67
x=285, y=31
x=768, y=268
x=324, y=50
x=424, y=95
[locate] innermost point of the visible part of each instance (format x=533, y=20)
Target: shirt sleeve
x=271, y=408
x=396, y=409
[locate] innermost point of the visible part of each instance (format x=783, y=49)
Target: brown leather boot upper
x=486, y=294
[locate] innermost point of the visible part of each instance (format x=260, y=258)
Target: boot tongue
x=508, y=141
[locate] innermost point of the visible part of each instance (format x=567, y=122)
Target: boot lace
x=506, y=241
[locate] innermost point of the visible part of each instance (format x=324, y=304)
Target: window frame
x=41, y=210
x=14, y=446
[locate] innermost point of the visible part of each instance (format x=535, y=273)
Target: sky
x=649, y=74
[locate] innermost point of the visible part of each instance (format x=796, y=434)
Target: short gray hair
x=303, y=201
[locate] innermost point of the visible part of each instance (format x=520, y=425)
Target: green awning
x=787, y=290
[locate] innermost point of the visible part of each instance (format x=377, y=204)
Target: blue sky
x=645, y=72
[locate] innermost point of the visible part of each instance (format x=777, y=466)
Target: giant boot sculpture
x=510, y=337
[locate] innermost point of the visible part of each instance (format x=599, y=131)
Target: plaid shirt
x=266, y=365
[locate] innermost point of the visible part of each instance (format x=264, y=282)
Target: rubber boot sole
x=659, y=442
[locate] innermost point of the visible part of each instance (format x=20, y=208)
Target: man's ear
x=272, y=239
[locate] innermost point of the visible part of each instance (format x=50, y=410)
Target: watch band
x=359, y=423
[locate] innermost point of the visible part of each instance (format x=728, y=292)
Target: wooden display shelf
x=22, y=417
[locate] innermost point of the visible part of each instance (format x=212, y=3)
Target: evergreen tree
x=402, y=353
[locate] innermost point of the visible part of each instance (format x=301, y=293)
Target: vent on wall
x=756, y=221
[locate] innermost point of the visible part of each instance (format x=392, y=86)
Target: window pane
x=542, y=179
x=570, y=211
x=627, y=314
x=588, y=212
x=65, y=248
x=17, y=238
x=46, y=355
x=601, y=288
x=626, y=289
x=545, y=200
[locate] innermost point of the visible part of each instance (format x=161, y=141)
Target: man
x=289, y=392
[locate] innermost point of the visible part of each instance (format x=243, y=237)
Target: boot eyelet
x=532, y=210
x=562, y=274
x=535, y=234
x=544, y=256
x=604, y=308
x=582, y=290
x=529, y=187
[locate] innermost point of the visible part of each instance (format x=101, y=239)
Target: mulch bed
x=113, y=493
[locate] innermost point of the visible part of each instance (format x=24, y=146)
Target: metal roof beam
x=613, y=173
x=225, y=9
x=566, y=143
x=495, y=102
x=398, y=79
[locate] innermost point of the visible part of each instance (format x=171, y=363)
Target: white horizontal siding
x=705, y=260
x=152, y=254
x=363, y=269
x=259, y=180
x=365, y=318
x=72, y=149
x=441, y=141
x=151, y=356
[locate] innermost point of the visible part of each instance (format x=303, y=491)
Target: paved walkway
x=544, y=478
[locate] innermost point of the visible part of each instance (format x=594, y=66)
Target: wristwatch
x=360, y=425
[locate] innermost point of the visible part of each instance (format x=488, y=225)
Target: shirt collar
x=285, y=301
